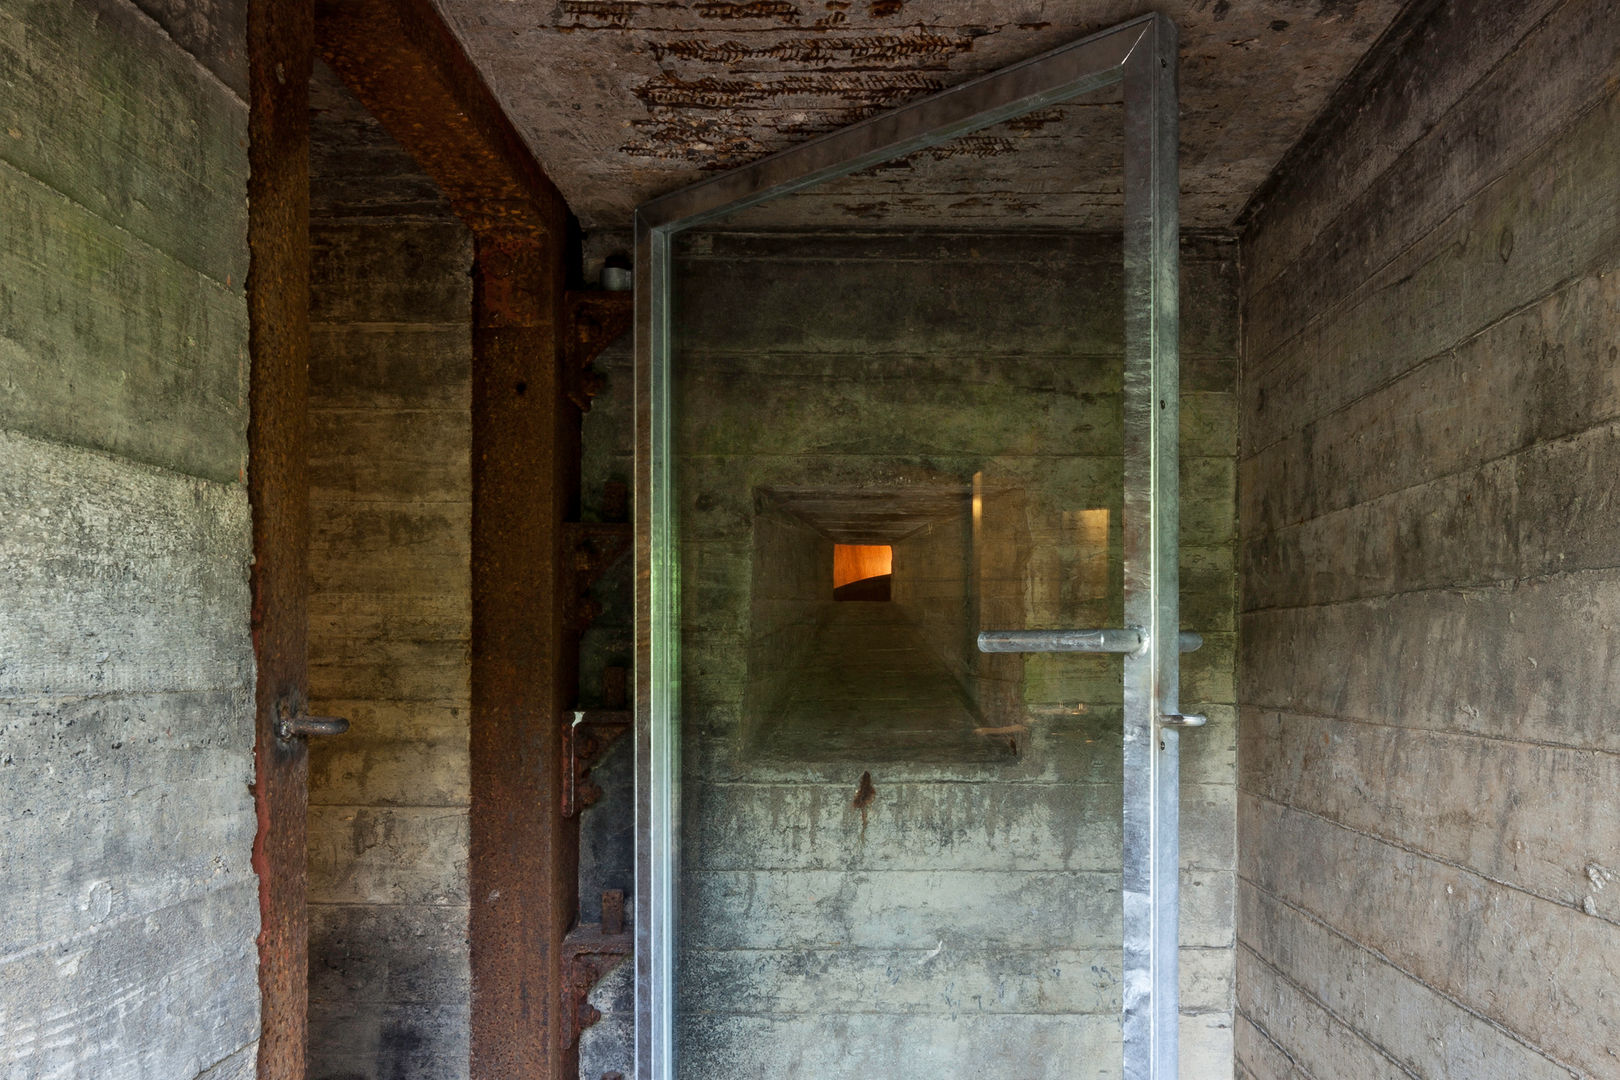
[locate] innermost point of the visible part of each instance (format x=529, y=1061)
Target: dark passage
x=877, y=588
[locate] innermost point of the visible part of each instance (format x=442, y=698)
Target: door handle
x=1117, y=640
x=293, y=723
x=1114, y=640
x=1183, y=719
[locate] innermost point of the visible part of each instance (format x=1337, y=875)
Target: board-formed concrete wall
x=944, y=928
x=128, y=905
x=390, y=615
x=1430, y=809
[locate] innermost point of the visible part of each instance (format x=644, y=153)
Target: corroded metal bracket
x=589, y=953
x=587, y=733
x=595, y=321
x=595, y=546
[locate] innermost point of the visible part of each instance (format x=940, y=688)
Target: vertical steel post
x=521, y=854
x=1152, y=584
x=657, y=663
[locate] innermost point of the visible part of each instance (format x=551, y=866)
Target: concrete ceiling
x=625, y=99
x=872, y=515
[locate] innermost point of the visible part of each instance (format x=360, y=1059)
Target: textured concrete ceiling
x=625, y=99
x=872, y=515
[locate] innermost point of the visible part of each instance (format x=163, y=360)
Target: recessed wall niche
x=900, y=680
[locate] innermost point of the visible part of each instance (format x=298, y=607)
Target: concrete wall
x=792, y=571
x=390, y=609
x=963, y=918
x=1430, y=813
x=128, y=908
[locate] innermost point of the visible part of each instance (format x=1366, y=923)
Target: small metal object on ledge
x=1115, y=640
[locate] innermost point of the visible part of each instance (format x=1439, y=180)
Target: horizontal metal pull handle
x=291, y=727
x=1183, y=720
x=1119, y=640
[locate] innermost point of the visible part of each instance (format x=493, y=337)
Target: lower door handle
x=1116, y=640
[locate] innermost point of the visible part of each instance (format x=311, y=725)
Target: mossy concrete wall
x=1430, y=811
x=390, y=614
x=128, y=906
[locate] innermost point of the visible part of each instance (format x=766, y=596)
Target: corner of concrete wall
x=128, y=907
x=1430, y=431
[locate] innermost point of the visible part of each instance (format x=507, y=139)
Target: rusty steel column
x=524, y=853
x=406, y=66
x=280, y=53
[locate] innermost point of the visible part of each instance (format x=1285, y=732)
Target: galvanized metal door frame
x=1142, y=55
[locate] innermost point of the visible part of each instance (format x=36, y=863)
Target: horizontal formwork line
x=1421, y=363
x=134, y=239
x=450, y=905
x=896, y=1013
x=1356, y=1032
x=1197, y=245
x=327, y=326
x=982, y=784
x=317, y=407
x=988, y=950
x=1429, y=856
x=1450, y=733
x=139, y=464
x=1248, y=1073
x=1462, y=204
x=244, y=688
x=388, y=806
x=432, y=214
x=455, y=1001
x=1388, y=961
x=334, y=496
x=1465, y=470
x=111, y=927
x=317, y=495
x=1497, y=585
x=409, y=703
x=1112, y=355
x=912, y=871
x=935, y=453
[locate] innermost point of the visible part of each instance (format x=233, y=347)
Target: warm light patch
x=857, y=562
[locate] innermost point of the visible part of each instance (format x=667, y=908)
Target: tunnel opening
x=863, y=572
x=893, y=675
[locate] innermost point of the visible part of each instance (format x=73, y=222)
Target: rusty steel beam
x=280, y=51
x=531, y=341
x=407, y=68
x=524, y=856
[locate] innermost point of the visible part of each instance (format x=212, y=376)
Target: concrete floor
x=871, y=688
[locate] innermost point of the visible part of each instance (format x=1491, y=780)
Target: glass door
x=906, y=444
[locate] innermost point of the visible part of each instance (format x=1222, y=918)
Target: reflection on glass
x=901, y=856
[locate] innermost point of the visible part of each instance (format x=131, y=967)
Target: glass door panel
x=886, y=413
